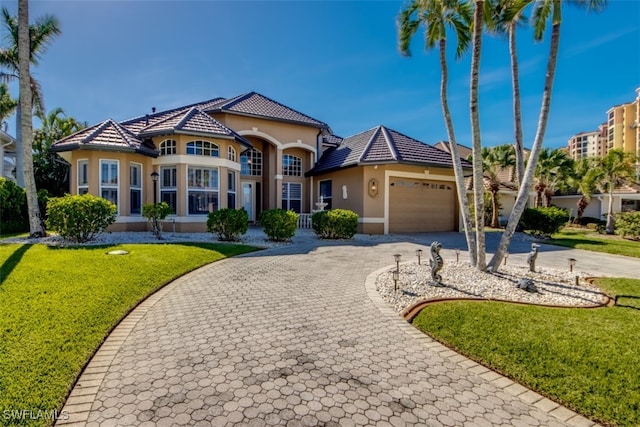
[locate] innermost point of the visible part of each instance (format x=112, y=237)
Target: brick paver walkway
x=291, y=336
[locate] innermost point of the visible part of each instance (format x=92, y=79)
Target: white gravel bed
x=460, y=280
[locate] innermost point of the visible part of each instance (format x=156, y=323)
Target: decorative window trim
x=168, y=147
x=291, y=165
x=251, y=163
x=110, y=186
x=202, y=148
x=82, y=180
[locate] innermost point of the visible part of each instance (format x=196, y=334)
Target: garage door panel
x=420, y=206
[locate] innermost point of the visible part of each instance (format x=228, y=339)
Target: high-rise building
x=589, y=144
x=622, y=123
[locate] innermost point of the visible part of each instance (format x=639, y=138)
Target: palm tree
x=612, y=170
x=36, y=228
x=40, y=34
x=437, y=16
x=584, y=180
x=544, y=10
x=494, y=161
x=509, y=16
x=553, y=172
x=7, y=104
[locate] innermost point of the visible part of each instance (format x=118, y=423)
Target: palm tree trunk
x=523, y=192
x=517, y=111
x=495, y=223
x=610, y=224
x=26, y=124
x=19, y=147
x=478, y=180
x=582, y=206
x=455, y=156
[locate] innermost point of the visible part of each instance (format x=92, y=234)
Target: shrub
x=155, y=214
x=335, y=224
x=80, y=218
x=228, y=224
x=599, y=226
x=628, y=224
x=544, y=221
x=279, y=224
x=13, y=208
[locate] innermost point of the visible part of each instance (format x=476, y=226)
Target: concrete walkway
x=291, y=336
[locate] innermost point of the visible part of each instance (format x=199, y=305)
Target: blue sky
x=336, y=61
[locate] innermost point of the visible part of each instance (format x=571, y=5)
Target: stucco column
x=278, y=177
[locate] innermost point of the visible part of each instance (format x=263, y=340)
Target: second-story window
x=251, y=163
x=231, y=154
x=203, y=148
x=291, y=165
x=168, y=147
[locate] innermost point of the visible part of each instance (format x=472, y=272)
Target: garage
x=421, y=205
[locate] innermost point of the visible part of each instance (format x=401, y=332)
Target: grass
x=58, y=304
x=592, y=241
x=586, y=359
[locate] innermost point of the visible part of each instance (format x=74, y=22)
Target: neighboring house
x=463, y=150
x=254, y=153
x=626, y=198
x=7, y=155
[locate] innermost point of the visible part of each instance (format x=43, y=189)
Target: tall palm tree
x=553, y=172
x=496, y=160
x=543, y=12
x=36, y=228
x=584, y=180
x=612, y=170
x=40, y=35
x=509, y=16
x=437, y=16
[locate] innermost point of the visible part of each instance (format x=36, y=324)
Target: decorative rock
x=527, y=285
x=118, y=252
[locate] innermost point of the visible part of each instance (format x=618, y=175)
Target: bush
x=228, y=224
x=335, y=224
x=628, y=224
x=14, y=216
x=586, y=220
x=279, y=224
x=80, y=218
x=543, y=221
x=155, y=214
x=599, y=226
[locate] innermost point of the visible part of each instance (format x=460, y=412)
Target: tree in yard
x=51, y=172
x=553, y=173
x=39, y=35
x=7, y=105
x=543, y=11
x=495, y=160
x=437, y=16
x=612, y=170
x=584, y=180
x=36, y=227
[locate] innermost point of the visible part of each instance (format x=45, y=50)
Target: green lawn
x=58, y=304
x=586, y=359
x=592, y=241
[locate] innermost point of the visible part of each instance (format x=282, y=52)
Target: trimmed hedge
x=80, y=218
x=279, y=224
x=543, y=221
x=628, y=225
x=228, y=224
x=155, y=214
x=335, y=224
x=14, y=217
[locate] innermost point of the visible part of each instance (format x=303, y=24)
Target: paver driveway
x=290, y=336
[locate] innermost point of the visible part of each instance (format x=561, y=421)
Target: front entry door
x=248, y=197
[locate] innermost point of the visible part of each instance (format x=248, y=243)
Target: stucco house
x=255, y=153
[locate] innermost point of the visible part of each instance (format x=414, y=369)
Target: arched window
x=168, y=147
x=251, y=162
x=231, y=154
x=291, y=165
x=202, y=148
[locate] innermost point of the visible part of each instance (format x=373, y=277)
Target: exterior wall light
x=372, y=187
x=506, y=257
x=154, y=177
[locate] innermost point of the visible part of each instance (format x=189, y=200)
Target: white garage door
x=420, y=205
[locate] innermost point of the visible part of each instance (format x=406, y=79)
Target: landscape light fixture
x=154, y=177
x=457, y=254
x=397, y=257
x=419, y=255
x=396, y=277
x=506, y=257
x=572, y=263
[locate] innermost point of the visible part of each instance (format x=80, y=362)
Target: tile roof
x=255, y=104
x=334, y=140
x=138, y=123
x=382, y=145
x=463, y=150
x=108, y=135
